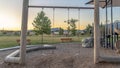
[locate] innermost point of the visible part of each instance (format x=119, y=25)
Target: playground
x=100, y=50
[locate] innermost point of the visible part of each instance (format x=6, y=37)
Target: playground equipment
x=104, y=4
x=117, y=44
x=87, y=42
x=21, y=58
x=97, y=56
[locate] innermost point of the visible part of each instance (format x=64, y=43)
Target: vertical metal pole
x=42, y=28
x=79, y=19
x=117, y=34
x=68, y=20
x=24, y=32
x=112, y=24
x=78, y=22
x=106, y=29
x=79, y=26
x=53, y=16
x=68, y=14
x=53, y=22
x=96, y=32
x=101, y=32
x=92, y=31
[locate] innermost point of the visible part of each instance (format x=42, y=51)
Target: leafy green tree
x=89, y=28
x=72, y=26
x=42, y=24
x=61, y=31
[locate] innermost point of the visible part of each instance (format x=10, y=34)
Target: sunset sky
x=11, y=12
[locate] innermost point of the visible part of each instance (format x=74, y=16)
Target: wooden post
x=96, y=31
x=24, y=32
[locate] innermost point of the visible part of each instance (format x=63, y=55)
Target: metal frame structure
x=97, y=56
x=106, y=27
x=111, y=34
x=25, y=20
x=106, y=3
x=110, y=2
x=62, y=7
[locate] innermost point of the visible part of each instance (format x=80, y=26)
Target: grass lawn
x=10, y=41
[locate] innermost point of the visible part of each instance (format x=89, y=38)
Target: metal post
x=68, y=20
x=117, y=34
x=78, y=22
x=96, y=32
x=79, y=19
x=53, y=23
x=101, y=32
x=42, y=41
x=24, y=31
x=53, y=17
x=68, y=14
x=112, y=24
x=61, y=7
x=106, y=27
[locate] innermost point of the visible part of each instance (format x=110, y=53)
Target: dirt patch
x=65, y=56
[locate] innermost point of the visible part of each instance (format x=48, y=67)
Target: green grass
x=10, y=41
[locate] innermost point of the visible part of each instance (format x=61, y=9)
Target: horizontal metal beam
x=93, y=1
x=62, y=7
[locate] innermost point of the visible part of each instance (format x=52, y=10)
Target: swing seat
x=28, y=41
x=66, y=39
x=117, y=31
x=117, y=44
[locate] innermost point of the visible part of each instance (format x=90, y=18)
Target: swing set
x=97, y=3
x=21, y=59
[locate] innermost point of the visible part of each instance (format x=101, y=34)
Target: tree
x=116, y=23
x=61, y=31
x=72, y=26
x=42, y=24
x=89, y=28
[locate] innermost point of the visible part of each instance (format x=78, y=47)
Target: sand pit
x=67, y=55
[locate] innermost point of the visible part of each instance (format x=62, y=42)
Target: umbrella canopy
x=116, y=3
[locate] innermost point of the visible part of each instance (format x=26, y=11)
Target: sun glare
x=8, y=22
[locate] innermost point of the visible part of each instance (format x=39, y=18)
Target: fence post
x=24, y=32
x=96, y=31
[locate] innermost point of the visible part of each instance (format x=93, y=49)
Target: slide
x=117, y=44
x=117, y=31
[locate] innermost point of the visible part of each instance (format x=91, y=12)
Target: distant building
x=6, y=32
x=17, y=32
x=65, y=32
x=30, y=32
x=81, y=32
x=55, y=31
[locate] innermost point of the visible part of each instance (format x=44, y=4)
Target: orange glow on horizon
x=12, y=22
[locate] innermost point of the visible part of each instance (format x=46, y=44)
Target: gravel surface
x=67, y=55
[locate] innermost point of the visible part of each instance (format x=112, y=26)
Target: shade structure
x=102, y=3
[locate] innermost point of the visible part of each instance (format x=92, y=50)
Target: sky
x=11, y=13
